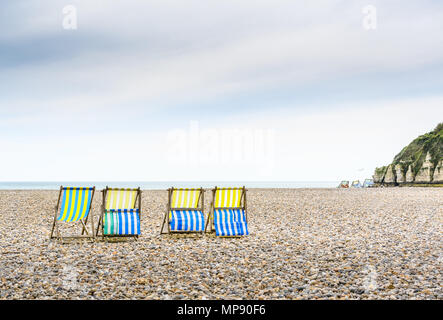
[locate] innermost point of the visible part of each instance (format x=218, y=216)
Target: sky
x=247, y=90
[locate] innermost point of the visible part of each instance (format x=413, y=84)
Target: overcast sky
x=215, y=90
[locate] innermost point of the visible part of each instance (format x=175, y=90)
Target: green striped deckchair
x=120, y=216
x=75, y=206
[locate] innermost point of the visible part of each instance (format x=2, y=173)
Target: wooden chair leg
x=163, y=224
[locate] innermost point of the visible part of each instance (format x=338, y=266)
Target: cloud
x=135, y=70
x=132, y=51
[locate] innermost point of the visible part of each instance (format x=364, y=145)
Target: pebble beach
x=378, y=243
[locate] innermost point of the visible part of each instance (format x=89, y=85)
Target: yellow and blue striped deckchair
x=120, y=213
x=228, y=212
x=356, y=184
x=75, y=206
x=184, y=211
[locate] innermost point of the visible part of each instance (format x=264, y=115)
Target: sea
x=162, y=185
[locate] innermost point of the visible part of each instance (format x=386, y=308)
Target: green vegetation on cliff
x=415, y=153
x=381, y=171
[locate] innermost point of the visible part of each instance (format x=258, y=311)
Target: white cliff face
x=409, y=175
x=390, y=176
x=424, y=175
x=378, y=177
x=399, y=174
x=438, y=173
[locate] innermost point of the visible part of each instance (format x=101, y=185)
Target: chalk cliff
x=420, y=162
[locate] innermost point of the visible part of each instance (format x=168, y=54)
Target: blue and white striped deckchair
x=184, y=211
x=228, y=212
x=75, y=206
x=121, y=213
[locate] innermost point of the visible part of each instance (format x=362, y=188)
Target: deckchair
x=343, y=184
x=228, y=214
x=184, y=211
x=120, y=214
x=356, y=184
x=368, y=183
x=75, y=206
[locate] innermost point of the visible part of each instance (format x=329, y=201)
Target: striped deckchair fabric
x=75, y=205
x=228, y=197
x=121, y=212
x=187, y=220
x=230, y=223
x=228, y=215
x=185, y=198
x=121, y=222
x=121, y=198
x=184, y=211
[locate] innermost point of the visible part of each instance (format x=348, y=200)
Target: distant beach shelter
x=368, y=183
x=343, y=184
x=356, y=184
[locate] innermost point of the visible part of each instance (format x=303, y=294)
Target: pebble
x=305, y=244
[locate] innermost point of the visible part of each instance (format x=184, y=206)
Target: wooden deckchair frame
x=169, y=208
x=138, y=205
x=243, y=206
x=83, y=223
